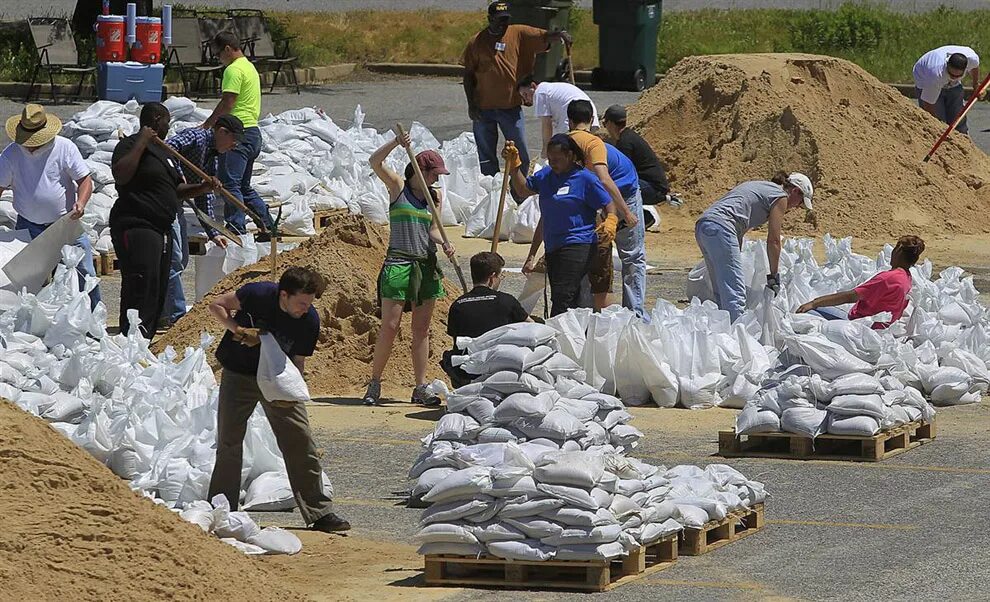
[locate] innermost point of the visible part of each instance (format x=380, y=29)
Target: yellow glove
x=606, y=229
x=511, y=155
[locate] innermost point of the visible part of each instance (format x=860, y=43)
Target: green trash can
x=551, y=15
x=627, y=43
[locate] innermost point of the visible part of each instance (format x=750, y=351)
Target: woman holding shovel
x=410, y=280
x=570, y=199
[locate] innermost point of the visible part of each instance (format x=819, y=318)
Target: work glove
x=606, y=229
x=773, y=283
x=511, y=156
x=249, y=337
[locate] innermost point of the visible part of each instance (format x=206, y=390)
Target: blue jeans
x=720, y=246
x=234, y=171
x=511, y=122
x=85, y=267
x=948, y=106
x=175, y=297
x=631, y=246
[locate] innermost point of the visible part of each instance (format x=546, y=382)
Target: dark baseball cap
x=615, y=114
x=233, y=125
x=498, y=9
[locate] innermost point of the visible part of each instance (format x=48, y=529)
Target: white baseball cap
x=804, y=183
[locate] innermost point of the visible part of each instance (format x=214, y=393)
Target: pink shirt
x=887, y=291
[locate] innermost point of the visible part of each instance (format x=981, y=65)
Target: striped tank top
x=409, y=222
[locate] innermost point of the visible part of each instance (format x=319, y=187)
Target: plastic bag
x=278, y=378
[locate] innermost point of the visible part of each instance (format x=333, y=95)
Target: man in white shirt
x=48, y=177
x=550, y=100
x=938, y=77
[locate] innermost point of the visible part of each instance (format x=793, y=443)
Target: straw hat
x=34, y=127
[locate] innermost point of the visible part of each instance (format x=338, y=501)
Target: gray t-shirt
x=746, y=206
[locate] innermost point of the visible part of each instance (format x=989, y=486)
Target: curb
x=305, y=75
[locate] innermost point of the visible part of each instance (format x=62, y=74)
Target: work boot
x=373, y=396
x=331, y=523
x=422, y=396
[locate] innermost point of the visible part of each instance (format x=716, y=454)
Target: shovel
x=501, y=205
x=433, y=207
x=977, y=93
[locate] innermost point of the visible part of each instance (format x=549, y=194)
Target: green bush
x=851, y=27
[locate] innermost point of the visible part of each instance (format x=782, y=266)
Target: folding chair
x=261, y=48
x=189, y=51
x=56, y=54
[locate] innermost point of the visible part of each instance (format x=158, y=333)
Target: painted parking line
x=820, y=523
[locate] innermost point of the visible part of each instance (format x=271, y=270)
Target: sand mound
x=719, y=120
x=349, y=254
x=72, y=530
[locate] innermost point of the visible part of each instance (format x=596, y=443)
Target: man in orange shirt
x=493, y=61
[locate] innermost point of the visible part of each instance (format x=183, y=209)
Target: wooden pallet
x=584, y=575
x=715, y=534
x=881, y=446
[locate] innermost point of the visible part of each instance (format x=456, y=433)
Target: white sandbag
x=692, y=516
x=825, y=357
x=508, y=382
x=557, y=425
x=445, y=533
x=451, y=549
x=521, y=334
x=526, y=549
x=584, y=535
x=496, y=531
x=808, y=422
x=278, y=378
x=856, y=405
x=582, y=409
x=574, y=496
x=580, y=517
x=605, y=551
x=523, y=507
x=535, y=527
x=579, y=469
x=754, y=420
x=431, y=478
x=640, y=372
x=513, y=486
x=523, y=405
x=269, y=492
x=276, y=541
x=461, y=484
x=456, y=427
x=624, y=435
x=492, y=360
x=440, y=453
x=452, y=511
x=857, y=425
x=496, y=435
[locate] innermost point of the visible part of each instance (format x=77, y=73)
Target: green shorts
x=393, y=284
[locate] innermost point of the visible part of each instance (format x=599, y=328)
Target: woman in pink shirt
x=887, y=291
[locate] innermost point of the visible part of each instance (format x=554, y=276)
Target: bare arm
x=620, y=208
x=534, y=247
x=223, y=307
x=300, y=362
x=227, y=100
x=547, y=124
x=773, y=234
x=83, y=193
x=832, y=300
x=188, y=191
x=518, y=182
x=392, y=180
x=975, y=74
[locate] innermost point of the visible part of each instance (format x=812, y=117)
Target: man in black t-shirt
x=653, y=183
x=481, y=309
x=284, y=310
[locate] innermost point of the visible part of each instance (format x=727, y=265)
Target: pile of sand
x=349, y=254
x=720, y=120
x=72, y=530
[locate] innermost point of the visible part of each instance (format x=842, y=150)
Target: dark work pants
x=144, y=256
x=239, y=393
x=566, y=267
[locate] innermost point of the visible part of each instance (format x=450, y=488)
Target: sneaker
x=331, y=523
x=674, y=201
x=422, y=396
x=373, y=396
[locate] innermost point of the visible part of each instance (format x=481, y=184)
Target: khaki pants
x=238, y=396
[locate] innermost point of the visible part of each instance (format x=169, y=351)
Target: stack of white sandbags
x=529, y=501
x=694, y=357
x=151, y=419
x=307, y=163
x=525, y=389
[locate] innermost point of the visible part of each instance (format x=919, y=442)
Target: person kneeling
x=885, y=292
x=481, y=309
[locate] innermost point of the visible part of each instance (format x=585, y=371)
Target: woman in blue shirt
x=571, y=198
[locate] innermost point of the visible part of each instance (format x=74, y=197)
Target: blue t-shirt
x=259, y=309
x=623, y=172
x=569, y=203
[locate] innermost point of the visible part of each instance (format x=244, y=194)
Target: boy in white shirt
x=49, y=178
x=550, y=100
x=938, y=78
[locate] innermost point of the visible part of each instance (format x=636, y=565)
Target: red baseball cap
x=431, y=160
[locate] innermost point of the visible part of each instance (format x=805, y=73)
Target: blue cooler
x=121, y=82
